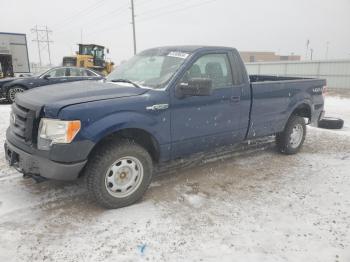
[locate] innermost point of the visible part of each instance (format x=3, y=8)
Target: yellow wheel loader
x=90, y=56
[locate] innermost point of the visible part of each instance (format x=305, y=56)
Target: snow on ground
x=257, y=207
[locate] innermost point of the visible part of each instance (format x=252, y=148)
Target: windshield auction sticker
x=178, y=54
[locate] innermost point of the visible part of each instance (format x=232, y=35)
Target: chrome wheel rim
x=14, y=91
x=296, y=136
x=124, y=177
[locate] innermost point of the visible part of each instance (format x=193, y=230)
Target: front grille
x=21, y=123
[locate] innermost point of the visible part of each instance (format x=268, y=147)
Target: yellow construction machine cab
x=90, y=56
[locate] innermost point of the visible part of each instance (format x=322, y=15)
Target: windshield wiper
x=126, y=81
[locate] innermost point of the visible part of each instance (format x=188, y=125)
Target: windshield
x=95, y=51
x=41, y=72
x=149, y=69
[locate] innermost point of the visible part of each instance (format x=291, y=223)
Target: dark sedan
x=10, y=87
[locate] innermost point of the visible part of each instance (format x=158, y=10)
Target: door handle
x=235, y=99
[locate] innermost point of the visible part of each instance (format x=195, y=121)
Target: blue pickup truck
x=163, y=104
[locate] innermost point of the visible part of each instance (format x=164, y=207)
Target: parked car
x=163, y=104
x=4, y=81
x=57, y=75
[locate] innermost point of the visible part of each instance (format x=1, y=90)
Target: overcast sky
x=282, y=26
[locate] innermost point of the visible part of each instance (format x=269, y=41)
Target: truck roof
x=188, y=48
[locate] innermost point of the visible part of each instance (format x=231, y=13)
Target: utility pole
x=37, y=40
x=133, y=24
x=48, y=43
x=307, y=48
x=327, y=49
x=43, y=41
x=311, y=53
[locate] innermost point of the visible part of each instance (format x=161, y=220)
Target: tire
x=331, y=123
x=292, y=138
x=12, y=91
x=113, y=169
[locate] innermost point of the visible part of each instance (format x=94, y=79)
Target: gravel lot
x=260, y=206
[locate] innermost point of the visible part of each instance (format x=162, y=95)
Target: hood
x=55, y=97
x=20, y=79
x=15, y=80
x=7, y=79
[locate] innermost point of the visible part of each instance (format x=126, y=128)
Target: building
x=13, y=54
x=248, y=56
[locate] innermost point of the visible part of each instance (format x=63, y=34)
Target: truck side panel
x=274, y=101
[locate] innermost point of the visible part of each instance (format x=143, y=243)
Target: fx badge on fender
x=317, y=89
x=158, y=107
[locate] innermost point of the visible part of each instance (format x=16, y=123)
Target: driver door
x=203, y=122
x=55, y=76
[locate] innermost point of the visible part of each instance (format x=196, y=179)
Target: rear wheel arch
x=303, y=110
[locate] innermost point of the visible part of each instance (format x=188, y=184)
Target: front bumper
x=38, y=165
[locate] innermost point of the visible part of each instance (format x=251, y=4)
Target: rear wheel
x=13, y=91
x=292, y=138
x=118, y=174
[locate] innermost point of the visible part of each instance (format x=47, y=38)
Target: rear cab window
x=238, y=70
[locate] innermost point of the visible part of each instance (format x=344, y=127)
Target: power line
x=160, y=8
x=142, y=2
x=79, y=14
x=101, y=30
x=43, y=41
x=97, y=20
x=178, y=10
x=151, y=17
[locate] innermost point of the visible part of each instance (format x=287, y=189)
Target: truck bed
x=264, y=78
x=273, y=98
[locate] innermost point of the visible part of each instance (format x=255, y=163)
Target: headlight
x=53, y=131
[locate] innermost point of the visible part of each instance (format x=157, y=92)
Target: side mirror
x=47, y=77
x=195, y=87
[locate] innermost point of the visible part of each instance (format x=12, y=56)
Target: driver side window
x=215, y=67
x=59, y=72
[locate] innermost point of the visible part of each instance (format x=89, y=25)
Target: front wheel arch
x=140, y=136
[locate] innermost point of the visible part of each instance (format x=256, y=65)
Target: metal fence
x=337, y=72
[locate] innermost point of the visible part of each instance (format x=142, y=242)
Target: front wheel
x=292, y=138
x=13, y=91
x=118, y=174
